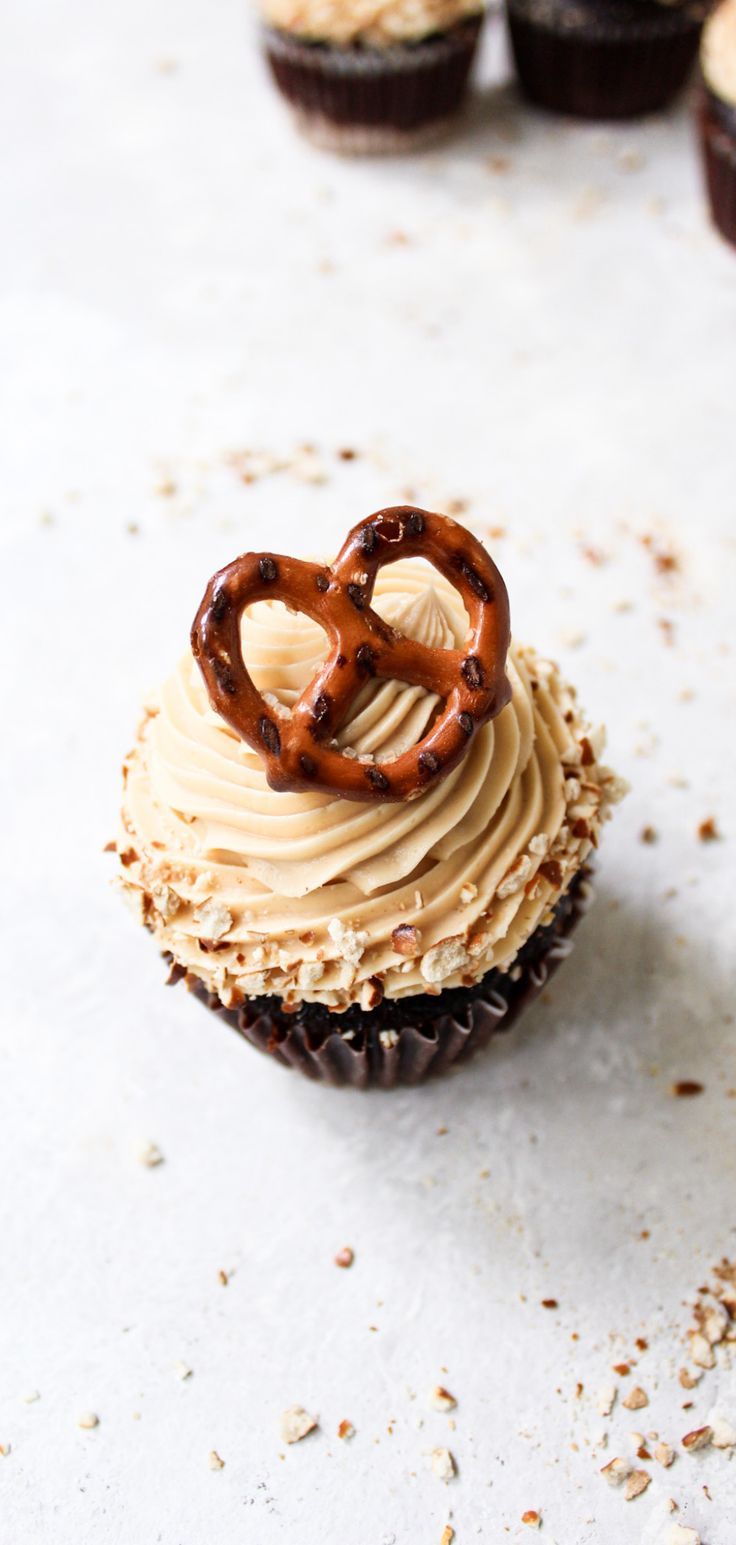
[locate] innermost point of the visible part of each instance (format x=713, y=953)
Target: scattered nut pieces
x=708, y=830
x=679, y=1534
x=701, y=1351
x=88, y=1420
x=664, y=1455
x=346, y=1429
x=149, y=1154
x=532, y=1518
x=636, y=1483
x=296, y=1423
x=214, y=1461
x=723, y=1434
x=688, y=1379
x=686, y=1089
x=606, y=1399
x=345, y=1257
x=699, y=1438
x=443, y=1464
x=442, y=1400
x=616, y=1471
x=636, y=1399
x=648, y=834
x=448, y=1535
x=550, y=1303
x=182, y=1370
x=4, y=1450
x=32, y=1396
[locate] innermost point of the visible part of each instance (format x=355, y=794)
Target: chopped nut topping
x=616, y=1471
x=686, y=1089
x=296, y=1423
x=468, y=893
x=636, y=1399
x=88, y=1420
x=664, y=1455
x=442, y=1400
x=346, y=1429
x=688, y=1379
x=406, y=940
x=345, y=1256
x=606, y=1399
x=448, y=1535
x=636, y=1483
x=309, y=973
x=700, y=1437
x=532, y=1518
x=701, y=1351
x=515, y=877
x=708, y=830
x=213, y=920
x=444, y=959
x=351, y=942
x=443, y=1464
x=723, y=1434
x=149, y=1154
x=679, y=1534
x=214, y=1461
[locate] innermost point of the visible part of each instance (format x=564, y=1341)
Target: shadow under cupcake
x=364, y=77
x=367, y=859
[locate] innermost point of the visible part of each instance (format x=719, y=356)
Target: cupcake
x=717, y=115
x=604, y=58
x=368, y=76
x=366, y=856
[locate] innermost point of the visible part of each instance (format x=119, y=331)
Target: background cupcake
x=371, y=75
x=717, y=115
x=604, y=58
x=365, y=942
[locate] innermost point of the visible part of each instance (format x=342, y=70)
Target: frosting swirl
x=313, y=897
x=377, y=23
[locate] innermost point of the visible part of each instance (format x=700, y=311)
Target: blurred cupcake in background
x=604, y=58
x=717, y=115
x=371, y=76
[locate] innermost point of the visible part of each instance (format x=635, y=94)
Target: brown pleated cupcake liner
x=372, y=100
x=376, y=1055
x=622, y=58
x=717, y=122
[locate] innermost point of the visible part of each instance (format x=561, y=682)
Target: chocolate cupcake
x=370, y=76
x=366, y=859
x=604, y=58
x=717, y=115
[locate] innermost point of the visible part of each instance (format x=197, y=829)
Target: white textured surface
x=553, y=340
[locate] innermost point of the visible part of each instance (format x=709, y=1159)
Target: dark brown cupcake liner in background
x=430, y=1034
x=717, y=122
x=604, y=59
x=372, y=100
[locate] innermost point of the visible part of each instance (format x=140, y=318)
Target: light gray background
x=535, y=318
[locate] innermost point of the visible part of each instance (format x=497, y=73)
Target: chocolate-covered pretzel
x=299, y=752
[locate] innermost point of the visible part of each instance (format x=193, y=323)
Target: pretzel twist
x=299, y=753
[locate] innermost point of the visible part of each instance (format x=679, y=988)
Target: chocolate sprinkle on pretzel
x=300, y=752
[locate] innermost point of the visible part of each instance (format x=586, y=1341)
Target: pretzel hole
x=386, y=719
x=282, y=650
x=425, y=613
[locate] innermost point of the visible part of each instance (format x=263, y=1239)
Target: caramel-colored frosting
x=313, y=897
x=718, y=52
x=377, y=23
